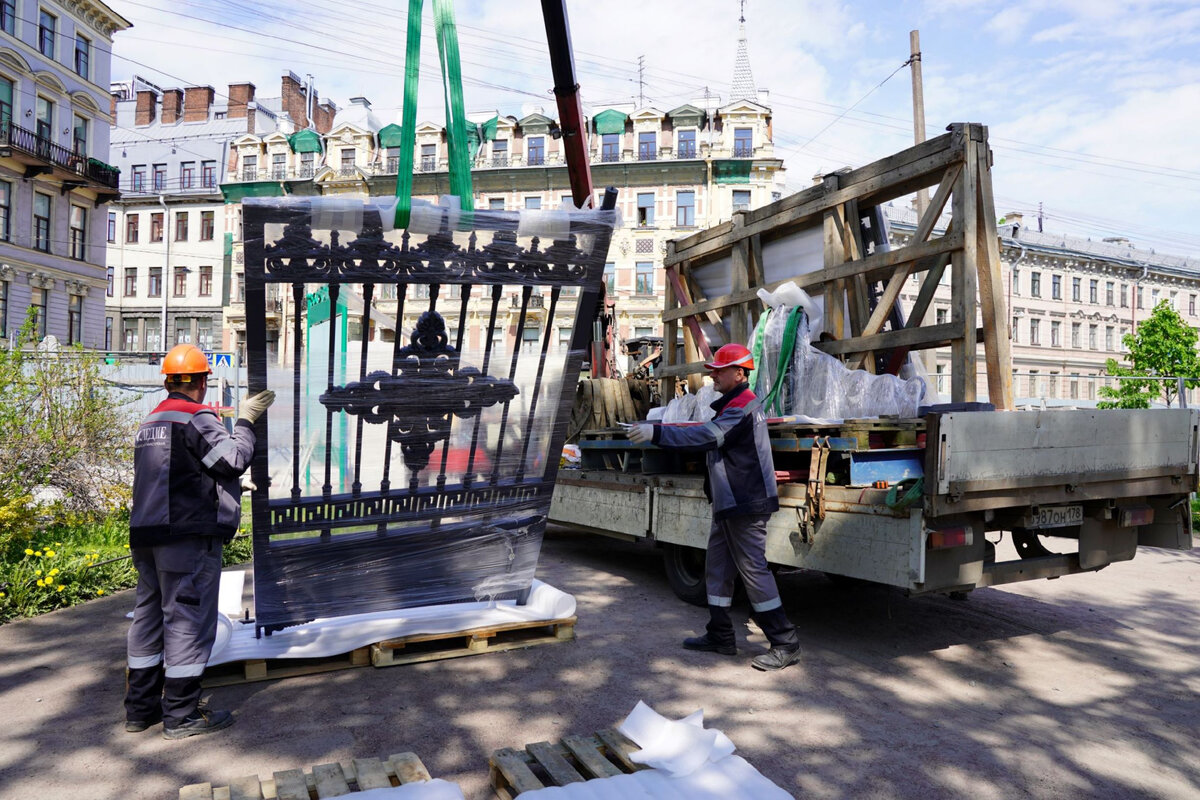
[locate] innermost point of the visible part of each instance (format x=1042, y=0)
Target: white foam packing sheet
x=730, y=778
x=435, y=789
x=335, y=635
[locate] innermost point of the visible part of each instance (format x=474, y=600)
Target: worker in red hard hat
x=186, y=506
x=741, y=486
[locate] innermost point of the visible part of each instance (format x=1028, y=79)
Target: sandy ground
x=1082, y=687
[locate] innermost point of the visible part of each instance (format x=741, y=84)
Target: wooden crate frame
x=959, y=164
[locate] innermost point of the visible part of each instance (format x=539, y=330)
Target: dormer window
x=535, y=150
x=743, y=142
x=500, y=153
x=647, y=146
x=687, y=144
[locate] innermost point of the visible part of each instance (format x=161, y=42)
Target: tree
x=1163, y=346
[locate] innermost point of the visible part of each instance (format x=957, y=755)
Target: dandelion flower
x=99, y=592
x=61, y=587
x=2, y=595
x=50, y=553
x=37, y=572
x=28, y=552
x=41, y=582
x=53, y=572
x=38, y=553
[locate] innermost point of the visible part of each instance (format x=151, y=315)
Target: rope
x=913, y=488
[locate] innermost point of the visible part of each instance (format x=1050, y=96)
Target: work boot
x=776, y=658
x=139, y=725
x=143, y=697
x=707, y=644
x=199, y=722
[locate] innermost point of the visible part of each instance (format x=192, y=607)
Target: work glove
x=255, y=406
x=640, y=433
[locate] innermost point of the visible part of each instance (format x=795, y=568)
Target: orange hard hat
x=185, y=359
x=732, y=355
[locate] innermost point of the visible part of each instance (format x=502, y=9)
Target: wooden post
x=996, y=345
x=739, y=319
x=835, y=253
x=963, y=281
x=670, y=335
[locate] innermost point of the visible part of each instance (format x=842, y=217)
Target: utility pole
x=918, y=93
x=641, y=74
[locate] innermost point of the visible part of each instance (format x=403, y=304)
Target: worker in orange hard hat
x=186, y=506
x=741, y=486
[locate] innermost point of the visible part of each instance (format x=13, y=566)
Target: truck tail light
x=957, y=536
x=1134, y=516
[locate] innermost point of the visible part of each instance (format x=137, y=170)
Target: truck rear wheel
x=685, y=573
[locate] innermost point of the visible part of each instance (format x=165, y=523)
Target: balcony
x=686, y=152
x=535, y=301
x=392, y=166
x=610, y=157
x=347, y=171
x=279, y=173
x=647, y=154
x=743, y=151
x=535, y=160
x=250, y=174
x=499, y=161
x=41, y=156
x=428, y=164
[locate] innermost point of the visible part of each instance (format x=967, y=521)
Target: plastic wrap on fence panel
x=423, y=394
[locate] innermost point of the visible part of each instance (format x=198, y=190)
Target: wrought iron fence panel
x=415, y=468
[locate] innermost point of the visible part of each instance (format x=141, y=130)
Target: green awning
x=610, y=121
x=305, y=141
x=733, y=171
x=236, y=192
x=390, y=135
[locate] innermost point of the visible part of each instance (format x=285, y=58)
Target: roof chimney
x=295, y=99
x=172, y=106
x=240, y=94
x=147, y=102
x=197, y=100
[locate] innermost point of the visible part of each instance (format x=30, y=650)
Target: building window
x=156, y=226
x=610, y=278
x=1074, y=386
x=130, y=334
x=112, y=227
x=187, y=174
x=1076, y=285
x=687, y=144
x=74, y=319
x=495, y=203
x=79, y=135
x=160, y=177
x=610, y=147
x=1055, y=334
x=1035, y=383
x=348, y=155
x=1108, y=337
x=743, y=142
x=47, y=23
x=1121, y=341
x=138, y=180
x=1092, y=337
x=940, y=315
x=500, y=153
x=3, y=309
x=206, y=225
x=1035, y=331
x=1016, y=329
x=249, y=167
x=1108, y=293
x=308, y=164
x=741, y=199
x=1140, y=303
x=644, y=277
x=429, y=158
x=44, y=124
x=1154, y=298
x=206, y=281
x=278, y=166
x=1191, y=301
x=130, y=282
x=241, y=287
x=1016, y=281
x=533, y=202
x=83, y=55
x=208, y=174
x=8, y=16
x=647, y=146
x=155, y=287
x=1035, y=284
x=535, y=150
x=645, y=209
x=131, y=228
x=1076, y=328
x=180, y=288
x=181, y=226
x=37, y=307
x=1056, y=287
x=1093, y=292
x=110, y=279
x=108, y=330
x=41, y=221
x=5, y=210
x=183, y=331
x=204, y=337
x=78, y=232
x=685, y=209
x=1124, y=295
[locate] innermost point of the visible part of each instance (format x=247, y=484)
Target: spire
x=743, y=79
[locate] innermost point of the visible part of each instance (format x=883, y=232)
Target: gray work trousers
x=738, y=546
x=174, y=623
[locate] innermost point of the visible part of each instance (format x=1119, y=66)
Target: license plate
x=1056, y=517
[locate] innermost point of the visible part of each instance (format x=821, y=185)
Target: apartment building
x=55, y=180
x=170, y=235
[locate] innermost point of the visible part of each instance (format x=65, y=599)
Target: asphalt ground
x=1082, y=687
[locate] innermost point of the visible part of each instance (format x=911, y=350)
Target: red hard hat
x=732, y=355
x=185, y=359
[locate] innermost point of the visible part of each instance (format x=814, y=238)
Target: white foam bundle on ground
x=436, y=789
x=690, y=762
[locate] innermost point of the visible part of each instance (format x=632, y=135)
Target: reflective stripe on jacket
x=186, y=468
x=741, y=472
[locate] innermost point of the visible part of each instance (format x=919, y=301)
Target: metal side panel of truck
x=1109, y=480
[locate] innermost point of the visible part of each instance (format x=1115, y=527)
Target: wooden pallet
x=402, y=650
x=323, y=780
x=574, y=759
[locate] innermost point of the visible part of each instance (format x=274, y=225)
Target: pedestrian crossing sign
x=222, y=360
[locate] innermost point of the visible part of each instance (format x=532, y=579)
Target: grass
x=77, y=561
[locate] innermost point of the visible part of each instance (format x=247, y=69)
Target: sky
x=1093, y=106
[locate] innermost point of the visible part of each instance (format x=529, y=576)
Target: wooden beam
x=834, y=255
x=740, y=273
x=691, y=326
x=963, y=295
x=996, y=345
x=913, y=338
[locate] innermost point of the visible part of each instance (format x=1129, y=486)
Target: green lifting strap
x=786, y=349
x=456, y=120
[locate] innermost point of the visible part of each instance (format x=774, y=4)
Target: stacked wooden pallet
x=323, y=780
x=574, y=759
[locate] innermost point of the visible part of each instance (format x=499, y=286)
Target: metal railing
x=686, y=152
x=535, y=161
x=647, y=154
x=499, y=161
x=428, y=164
x=347, y=171
x=743, y=151
x=392, y=166
x=249, y=173
x=30, y=143
x=608, y=158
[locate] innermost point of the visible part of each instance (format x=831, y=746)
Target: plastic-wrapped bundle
x=411, y=469
x=680, y=409
x=704, y=400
